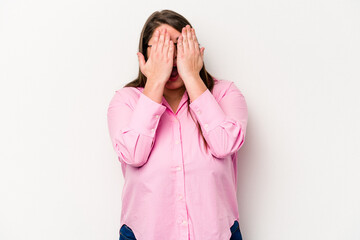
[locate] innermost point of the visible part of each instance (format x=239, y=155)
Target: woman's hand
x=159, y=65
x=189, y=55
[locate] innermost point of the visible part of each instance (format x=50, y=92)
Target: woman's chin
x=174, y=83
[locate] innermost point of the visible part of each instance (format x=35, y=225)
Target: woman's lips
x=174, y=74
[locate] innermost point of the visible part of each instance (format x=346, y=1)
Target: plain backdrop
x=296, y=62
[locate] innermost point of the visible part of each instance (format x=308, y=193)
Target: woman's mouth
x=174, y=74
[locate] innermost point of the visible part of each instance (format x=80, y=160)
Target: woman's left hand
x=189, y=56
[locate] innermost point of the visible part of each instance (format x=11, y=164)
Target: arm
x=132, y=129
x=223, y=123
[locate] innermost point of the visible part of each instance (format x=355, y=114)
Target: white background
x=296, y=62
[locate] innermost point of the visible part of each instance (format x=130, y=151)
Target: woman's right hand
x=159, y=65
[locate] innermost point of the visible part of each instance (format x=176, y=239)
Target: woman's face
x=174, y=34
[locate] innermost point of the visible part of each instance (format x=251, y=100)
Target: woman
x=176, y=131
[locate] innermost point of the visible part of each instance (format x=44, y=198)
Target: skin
x=163, y=55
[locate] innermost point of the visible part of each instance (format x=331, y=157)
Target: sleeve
x=132, y=129
x=223, y=123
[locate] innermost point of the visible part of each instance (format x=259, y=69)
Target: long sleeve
x=223, y=123
x=132, y=128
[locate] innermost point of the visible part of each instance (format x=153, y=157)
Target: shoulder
x=129, y=92
x=222, y=87
x=127, y=95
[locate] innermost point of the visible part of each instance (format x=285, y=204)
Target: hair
x=176, y=21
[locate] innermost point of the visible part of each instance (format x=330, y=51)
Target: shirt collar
x=183, y=100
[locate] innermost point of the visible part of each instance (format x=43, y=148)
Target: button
x=177, y=141
x=206, y=125
x=181, y=197
x=198, y=111
x=178, y=168
x=153, y=130
x=157, y=116
x=184, y=222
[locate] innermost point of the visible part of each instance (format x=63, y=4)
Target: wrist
x=154, y=90
x=192, y=78
x=154, y=83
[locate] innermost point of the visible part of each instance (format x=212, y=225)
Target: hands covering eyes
x=189, y=59
x=189, y=55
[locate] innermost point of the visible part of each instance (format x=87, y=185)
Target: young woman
x=176, y=131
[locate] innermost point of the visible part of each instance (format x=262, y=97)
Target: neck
x=174, y=94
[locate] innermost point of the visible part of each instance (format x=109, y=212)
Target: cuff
x=146, y=115
x=207, y=111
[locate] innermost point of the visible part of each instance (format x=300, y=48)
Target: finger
x=196, y=43
x=166, y=43
x=189, y=37
x=141, y=60
x=184, y=40
x=180, y=47
x=156, y=39
x=202, y=52
x=171, y=50
x=161, y=40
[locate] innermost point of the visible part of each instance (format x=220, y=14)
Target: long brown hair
x=176, y=21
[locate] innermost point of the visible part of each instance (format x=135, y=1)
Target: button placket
x=181, y=207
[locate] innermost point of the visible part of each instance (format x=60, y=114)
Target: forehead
x=174, y=34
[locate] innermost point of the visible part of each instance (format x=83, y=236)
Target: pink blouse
x=173, y=188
